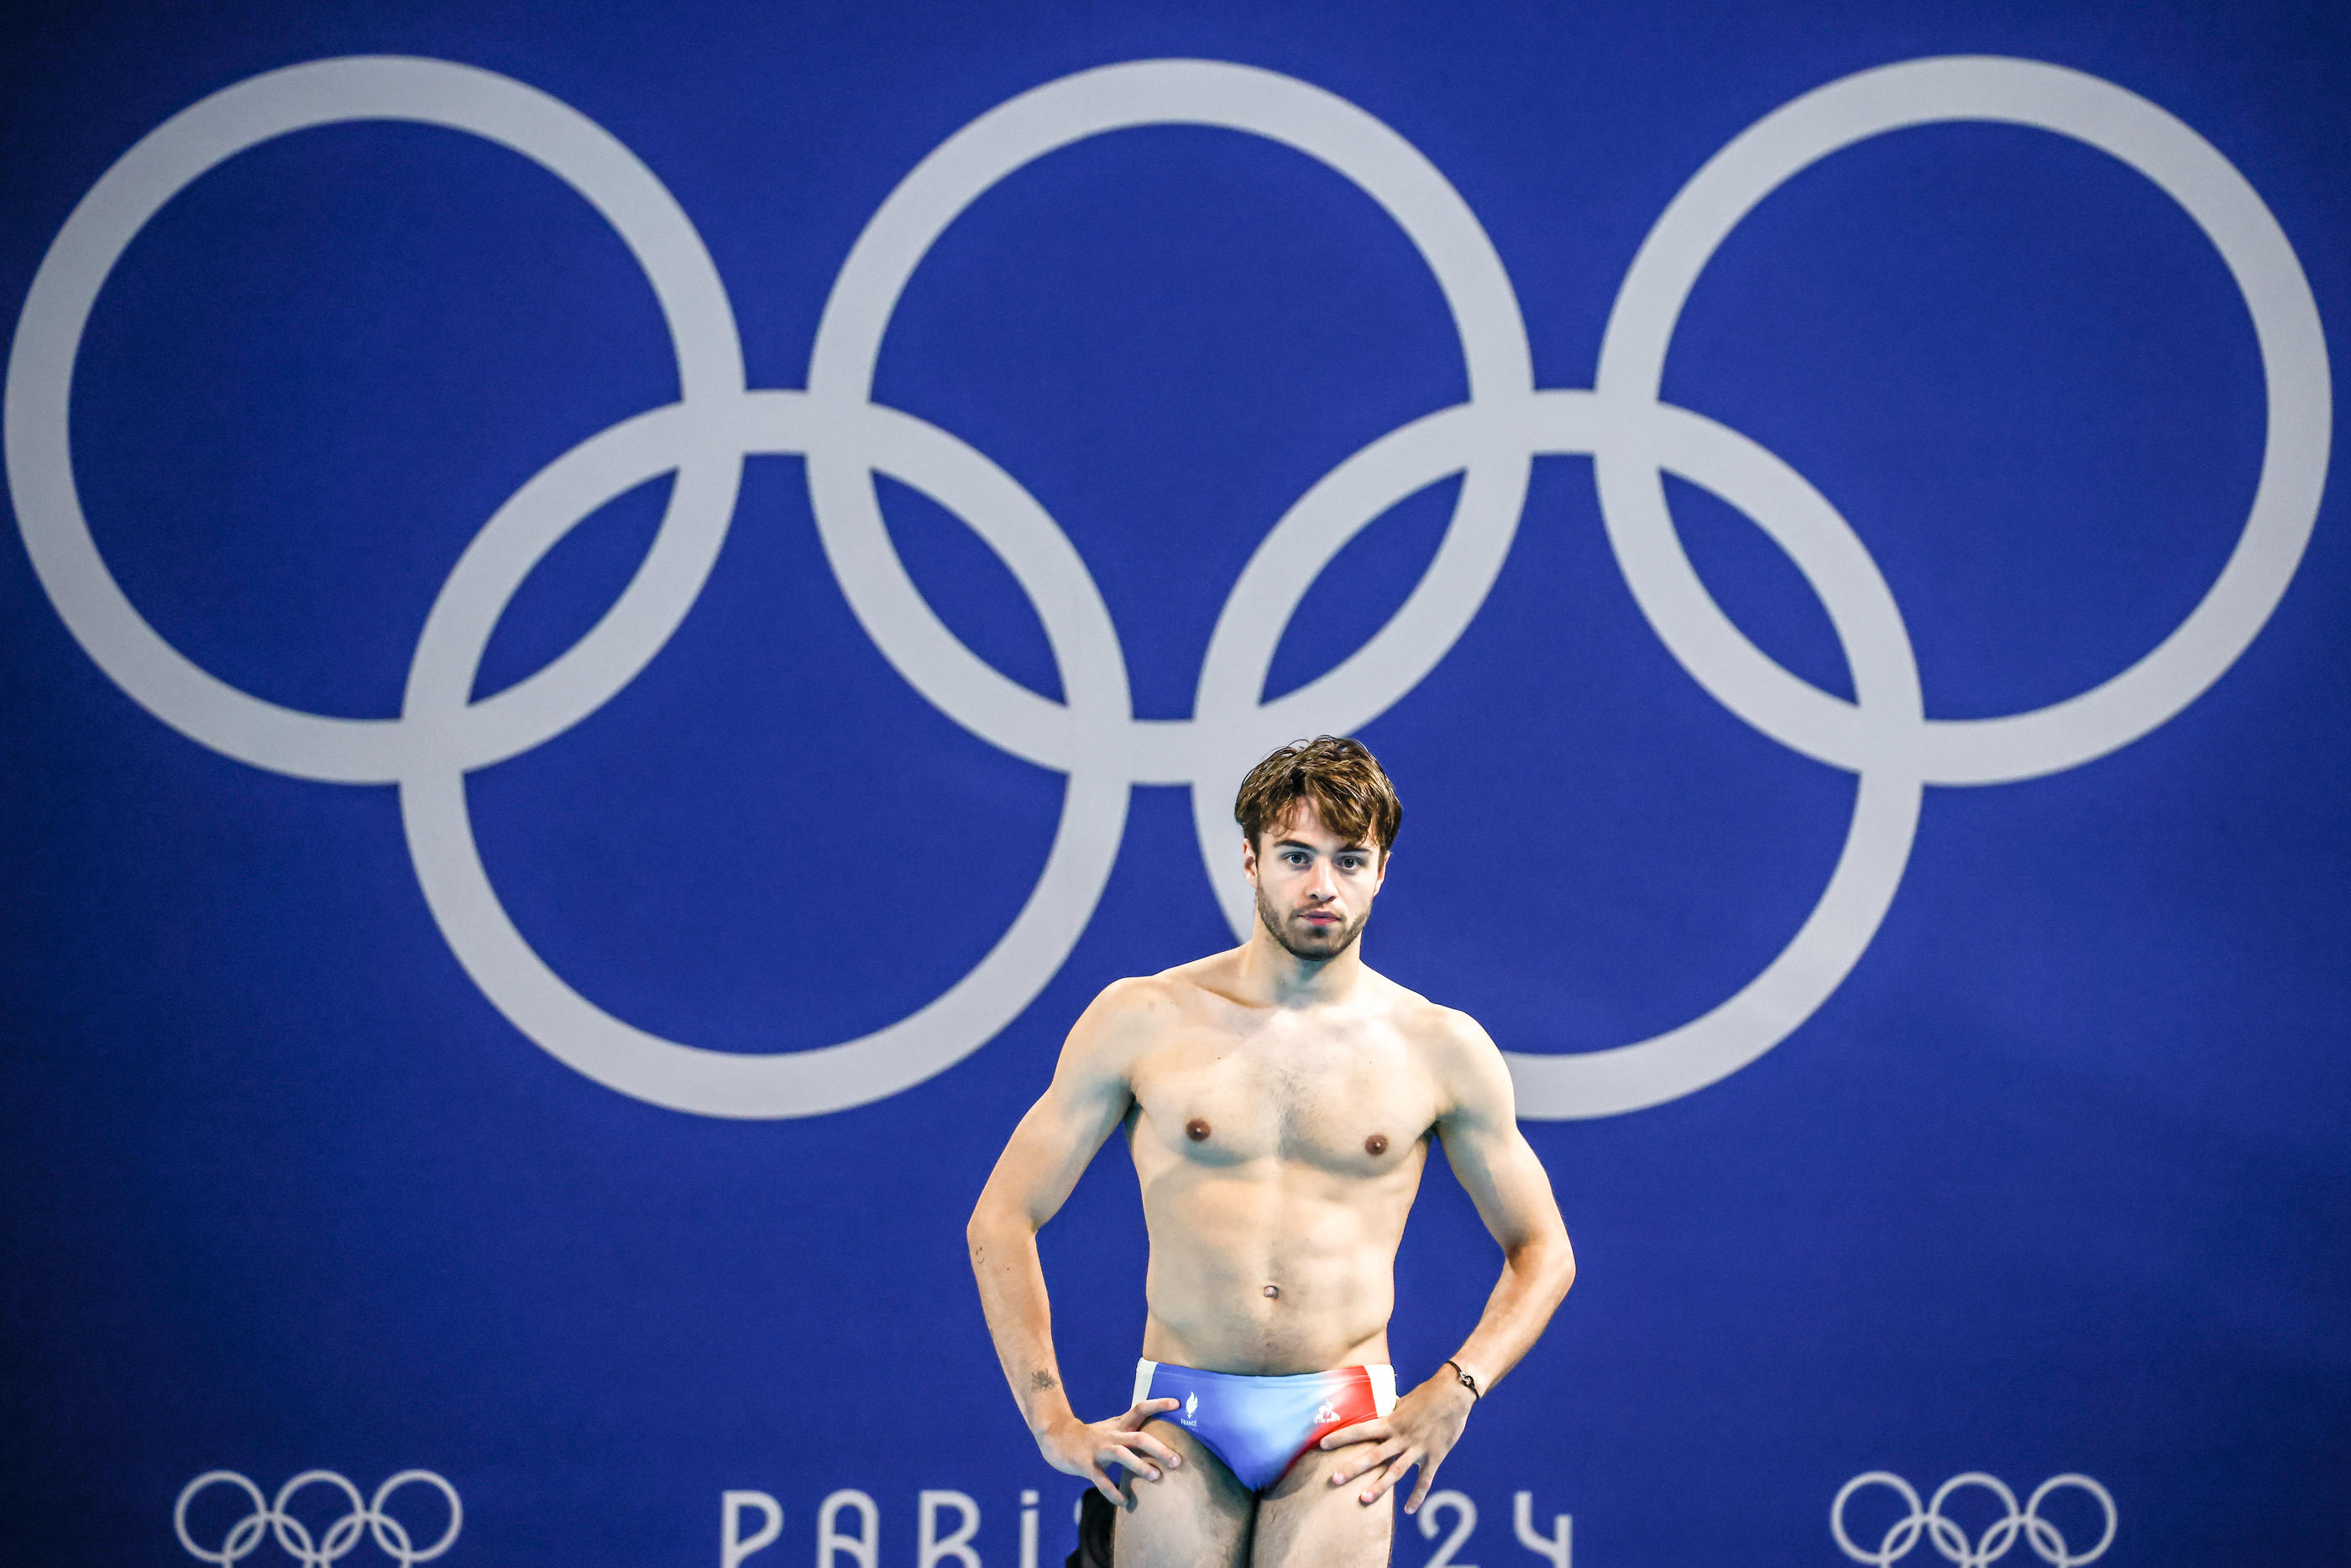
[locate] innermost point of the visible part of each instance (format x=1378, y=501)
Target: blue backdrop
x=310, y=1164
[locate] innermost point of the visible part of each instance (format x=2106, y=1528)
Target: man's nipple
x=1376, y=1145
x=1196, y=1130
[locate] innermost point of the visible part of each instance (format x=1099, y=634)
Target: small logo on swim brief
x=1191, y=1407
x=1329, y=1412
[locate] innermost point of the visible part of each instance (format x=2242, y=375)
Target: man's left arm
x=1499, y=1171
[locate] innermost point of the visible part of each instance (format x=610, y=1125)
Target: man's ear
x=1382, y=880
x=1249, y=858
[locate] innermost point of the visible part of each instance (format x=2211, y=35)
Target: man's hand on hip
x=1090, y=1448
x=1420, y=1429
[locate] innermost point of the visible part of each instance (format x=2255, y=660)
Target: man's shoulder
x=1453, y=1046
x=1175, y=987
x=1145, y=1004
x=1135, y=999
x=1432, y=1025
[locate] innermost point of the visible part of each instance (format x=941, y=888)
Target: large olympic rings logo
x=273, y=1516
x=442, y=733
x=2048, y=1543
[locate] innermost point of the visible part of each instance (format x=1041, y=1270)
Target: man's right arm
x=1048, y=1152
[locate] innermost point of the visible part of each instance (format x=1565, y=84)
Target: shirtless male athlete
x=1278, y=1100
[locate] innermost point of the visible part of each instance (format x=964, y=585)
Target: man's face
x=1314, y=889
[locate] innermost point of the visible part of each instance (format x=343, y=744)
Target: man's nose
x=1321, y=887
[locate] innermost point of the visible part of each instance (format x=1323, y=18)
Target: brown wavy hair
x=1350, y=790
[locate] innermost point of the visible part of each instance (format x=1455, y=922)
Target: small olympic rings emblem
x=2047, y=1542
x=1883, y=735
x=276, y=1519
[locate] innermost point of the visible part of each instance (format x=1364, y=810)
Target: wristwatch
x=1467, y=1382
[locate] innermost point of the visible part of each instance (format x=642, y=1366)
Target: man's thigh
x=1194, y=1516
x=1306, y=1522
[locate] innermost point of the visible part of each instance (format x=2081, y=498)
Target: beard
x=1306, y=942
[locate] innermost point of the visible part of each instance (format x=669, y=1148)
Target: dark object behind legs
x=1096, y=1520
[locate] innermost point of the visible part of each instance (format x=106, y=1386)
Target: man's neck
x=1272, y=975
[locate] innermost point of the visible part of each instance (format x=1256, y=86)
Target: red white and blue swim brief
x=1260, y=1427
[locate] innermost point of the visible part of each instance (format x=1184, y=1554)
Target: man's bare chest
x=1353, y=1101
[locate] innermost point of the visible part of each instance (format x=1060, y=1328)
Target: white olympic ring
x=2048, y=1543
x=443, y=733
x=244, y=1536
